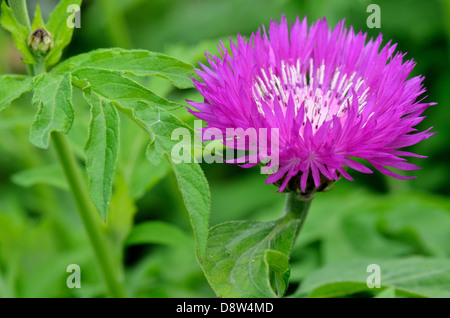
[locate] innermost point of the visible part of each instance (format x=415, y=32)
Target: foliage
x=169, y=228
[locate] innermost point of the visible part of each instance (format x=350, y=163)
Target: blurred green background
x=374, y=216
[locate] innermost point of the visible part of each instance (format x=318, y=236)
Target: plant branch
x=89, y=214
x=20, y=10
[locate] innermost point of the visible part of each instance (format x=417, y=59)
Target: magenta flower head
x=332, y=96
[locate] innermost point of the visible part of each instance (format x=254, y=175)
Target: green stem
x=39, y=67
x=297, y=207
x=88, y=213
x=19, y=8
x=20, y=11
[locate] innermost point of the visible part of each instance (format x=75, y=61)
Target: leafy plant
x=112, y=153
x=107, y=79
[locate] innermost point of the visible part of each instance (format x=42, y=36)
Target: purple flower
x=332, y=95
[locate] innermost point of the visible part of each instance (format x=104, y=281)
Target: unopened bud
x=40, y=41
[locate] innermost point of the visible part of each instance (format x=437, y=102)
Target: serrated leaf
x=194, y=189
x=150, y=112
x=58, y=27
x=18, y=31
x=50, y=175
x=136, y=62
x=52, y=94
x=157, y=232
x=101, y=150
x=416, y=277
x=12, y=87
x=191, y=180
x=236, y=263
x=114, y=86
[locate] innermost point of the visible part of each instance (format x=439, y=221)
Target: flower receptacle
x=40, y=41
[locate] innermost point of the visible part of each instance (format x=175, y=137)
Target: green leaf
x=136, y=62
x=419, y=222
x=12, y=87
x=416, y=277
x=191, y=180
x=157, y=232
x=58, y=27
x=241, y=255
x=279, y=271
x=121, y=214
x=38, y=22
x=53, y=96
x=194, y=189
x=50, y=175
x=387, y=293
x=101, y=150
x=150, y=112
x=116, y=87
x=145, y=176
x=18, y=31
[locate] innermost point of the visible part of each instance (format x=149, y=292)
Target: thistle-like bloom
x=333, y=95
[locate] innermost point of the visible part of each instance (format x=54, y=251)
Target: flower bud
x=40, y=41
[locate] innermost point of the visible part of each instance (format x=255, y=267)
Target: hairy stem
x=89, y=214
x=20, y=11
x=19, y=8
x=297, y=207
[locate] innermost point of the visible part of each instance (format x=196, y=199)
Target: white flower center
x=324, y=95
